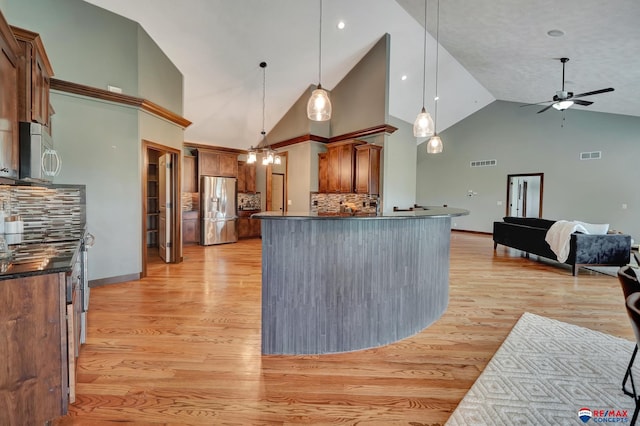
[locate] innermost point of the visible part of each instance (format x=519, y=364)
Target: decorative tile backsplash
x=249, y=201
x=331, y=203
x=45, y=207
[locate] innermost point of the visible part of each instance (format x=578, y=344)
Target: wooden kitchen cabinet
x=34, y=78
x=341, y=165
x=34, y=350
x=323, y=172
x=213, y=163
x=247, y=227
x=246, y=177
x=367, y=176
x=189, y=174
x=9, y=62
x=190, y=227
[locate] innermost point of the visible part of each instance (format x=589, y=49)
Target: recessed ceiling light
x=404, y=77
x=555, y=33
x=341, y=25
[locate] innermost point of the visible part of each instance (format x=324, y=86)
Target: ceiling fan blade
x=537, y=103
x=581, y=102
x=595, y=92
x=545, y=108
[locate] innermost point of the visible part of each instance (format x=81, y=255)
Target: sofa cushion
x=595, y=228
x=536, y=222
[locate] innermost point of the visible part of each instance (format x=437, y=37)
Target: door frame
x=269, y=182
x=515, y=175
x=175, y=217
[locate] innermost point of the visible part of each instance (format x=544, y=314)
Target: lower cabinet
x=190, y=227
x=33, y=324
x=247, y=227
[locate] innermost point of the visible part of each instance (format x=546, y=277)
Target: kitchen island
x=342, y=283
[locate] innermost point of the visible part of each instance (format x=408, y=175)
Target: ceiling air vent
x=484, y=163
x=593, y=155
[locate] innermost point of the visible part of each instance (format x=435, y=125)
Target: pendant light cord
x=320, y=48
x=435, y=108
x=424, y=56
x=264, y=94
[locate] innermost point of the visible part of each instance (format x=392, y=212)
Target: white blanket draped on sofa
x=559, y=237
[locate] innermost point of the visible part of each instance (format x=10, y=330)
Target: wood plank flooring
x=182, y=346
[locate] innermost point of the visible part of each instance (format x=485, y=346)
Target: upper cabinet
x=189, y=183
x=34, y=78
x=215, y=163
x=367, y=178
x=246, y=177
x=341, y=165
x=349, y=166
x=9, y=65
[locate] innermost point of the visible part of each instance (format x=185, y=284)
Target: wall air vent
x=484, y=163
x=593, y=155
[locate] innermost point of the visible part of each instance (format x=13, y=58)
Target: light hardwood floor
x=182, y=346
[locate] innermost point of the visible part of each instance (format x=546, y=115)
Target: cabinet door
x=333, y=170
x=242, y=180
x=323, y=173
x=228, y=165
x=189, y=174
x=244, y=229
x=346, y=166
x=250, y=177
x=41, y=82
x=254, y=224
x=367, y=176
x=208, y=163
x=8, y=102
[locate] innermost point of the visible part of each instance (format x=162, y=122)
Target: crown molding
x=119, y=98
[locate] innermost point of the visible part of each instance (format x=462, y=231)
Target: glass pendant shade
x=423, y=126
x=434, y=145
x=562, y=105
x=277, y=160
x=319, y=105
x=251, y=157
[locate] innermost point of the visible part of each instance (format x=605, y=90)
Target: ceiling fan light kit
x=564, y=99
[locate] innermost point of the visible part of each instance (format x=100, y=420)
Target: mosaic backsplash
x=45, y=208
x=331, y=203
x=249, y=201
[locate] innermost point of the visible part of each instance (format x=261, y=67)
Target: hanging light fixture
x=269, y=156
x=423, y=126
x=434, y=145
x=319, y=105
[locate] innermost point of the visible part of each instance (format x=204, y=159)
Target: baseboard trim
x=472, y=232
x=113, y=280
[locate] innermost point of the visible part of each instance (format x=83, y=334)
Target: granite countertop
x=43, y=252
x=426, y=213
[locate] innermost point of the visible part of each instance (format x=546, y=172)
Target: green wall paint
x=525, y=142
x=100, y=142
x=399, y=167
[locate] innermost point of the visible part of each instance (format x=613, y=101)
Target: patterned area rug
x=545, y=372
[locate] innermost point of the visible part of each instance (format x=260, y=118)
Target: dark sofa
x=528, y=235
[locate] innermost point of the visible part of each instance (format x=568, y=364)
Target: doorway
x=276, y=185
x=524, y=194
x=161, y=224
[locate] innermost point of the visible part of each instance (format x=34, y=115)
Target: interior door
x=164, y=201
x=277, y=192
x=524, y=195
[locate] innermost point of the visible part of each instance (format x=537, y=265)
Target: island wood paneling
x=336, y=285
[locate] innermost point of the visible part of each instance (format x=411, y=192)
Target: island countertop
x=426, y=213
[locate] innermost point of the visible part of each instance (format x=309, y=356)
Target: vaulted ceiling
x=491, y=49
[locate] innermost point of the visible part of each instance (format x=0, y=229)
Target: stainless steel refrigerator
x=217, y=210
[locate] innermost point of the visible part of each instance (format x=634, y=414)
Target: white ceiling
x=502, y=45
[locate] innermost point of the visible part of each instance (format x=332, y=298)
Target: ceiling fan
x=563, y=99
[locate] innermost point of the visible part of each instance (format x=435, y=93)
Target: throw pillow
x=595, y=228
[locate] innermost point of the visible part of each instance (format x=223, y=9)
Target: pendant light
x=319, y=105
x=423, y=126
x=269, y=156
x=434, y=145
